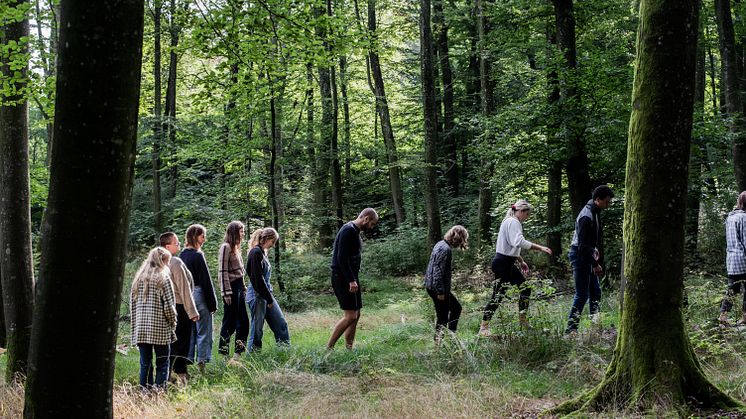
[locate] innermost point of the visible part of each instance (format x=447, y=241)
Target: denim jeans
x=275, y=319
x=146, y=365
x=587, y=287
x=235, y=319
x=202, y=333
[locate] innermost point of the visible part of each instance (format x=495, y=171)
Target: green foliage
x=404, y=253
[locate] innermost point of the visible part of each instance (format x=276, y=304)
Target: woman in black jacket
x=438, y=280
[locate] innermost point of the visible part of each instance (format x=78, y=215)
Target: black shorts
x=347, y=300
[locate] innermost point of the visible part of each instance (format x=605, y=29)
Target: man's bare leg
x=350, y=317
x=351, y=329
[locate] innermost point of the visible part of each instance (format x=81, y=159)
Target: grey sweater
x=438, y=274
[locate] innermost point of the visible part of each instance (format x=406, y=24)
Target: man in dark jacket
x=585, y=256
x=346, y=257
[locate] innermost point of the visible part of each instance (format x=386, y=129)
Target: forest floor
x=396, y=370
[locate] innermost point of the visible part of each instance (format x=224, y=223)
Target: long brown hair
x=192, y=232
x=457, y=236
x=233, y=235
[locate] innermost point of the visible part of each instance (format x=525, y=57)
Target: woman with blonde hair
x=153, y=317
x=438, y=280
x=505, y=263
x=262, y=303
x=230, y=275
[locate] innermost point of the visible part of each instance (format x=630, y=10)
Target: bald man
x=346, y=257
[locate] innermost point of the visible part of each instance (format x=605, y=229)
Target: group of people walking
x=172, y=302
x=510, y=269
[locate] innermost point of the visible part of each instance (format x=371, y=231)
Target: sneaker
x=484, y=332
x=201, y=367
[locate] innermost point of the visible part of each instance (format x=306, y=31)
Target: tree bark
x=170, y=106
x=157, y=114
x=484, y=220
x=90, y=190
x=578, y=172
x=382, y=107
x=691, y=225
x=449, y=140
x=554, y=175
x=654, y=361
x=275, y=185
x=346, y=127
x=16, y=259
x=432, y=207
x=733, y=101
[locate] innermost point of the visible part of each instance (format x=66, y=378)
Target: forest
x=124, y=119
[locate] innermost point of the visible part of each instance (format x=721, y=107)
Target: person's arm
x=256, y=276
x=515, y=236
x=224, y=264
x=185, y=290
x=437, y=272
x=169, y=303
x=448, y=272
x=208, y=290
x=586, y=239
x=344, y=251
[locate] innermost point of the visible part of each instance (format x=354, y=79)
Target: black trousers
x=506, y=273
x=235, y=319
x=180, y=348
x=735, y=282
x=447, y=311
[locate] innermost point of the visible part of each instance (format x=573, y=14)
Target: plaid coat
x=153, y=316
x=735, y=235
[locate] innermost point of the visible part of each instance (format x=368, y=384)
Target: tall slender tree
x=572, y=124
x=654, y=361
x=16, y=268
x=92, y=168
x=554, y=175
x=449, y=140
x=157, y=114
x=382, y=107
x=484, y=220
x=432, y=207
x=731, y=83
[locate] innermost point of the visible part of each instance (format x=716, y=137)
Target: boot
x=484, y=330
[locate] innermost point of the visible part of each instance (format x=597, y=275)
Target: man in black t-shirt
x=346, y=256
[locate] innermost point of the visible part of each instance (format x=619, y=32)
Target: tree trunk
x=382, y=108
x=157, y=113
x=654, y=361
x=346, y=128
x=275, y=187
x=449, y=140
x=15, y=211
x=691, y=225
x=578, y=174
x=432, y=207
x=487, y=166
x=90, y=190
x=324, y=149
x=554, y=175
x=3, y=340
x=733, y=101
x=170, y=107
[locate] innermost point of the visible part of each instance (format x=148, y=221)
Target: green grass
x=396, y=370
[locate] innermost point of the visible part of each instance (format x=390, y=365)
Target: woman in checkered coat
x=153, y=316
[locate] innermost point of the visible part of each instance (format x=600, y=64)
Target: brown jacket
x=183, y=283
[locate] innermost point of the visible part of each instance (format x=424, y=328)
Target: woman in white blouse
x=506, y=262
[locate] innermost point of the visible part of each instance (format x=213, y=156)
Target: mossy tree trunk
x=427, y=69
x=84, y=236
x=15, y=213
x=654, y=363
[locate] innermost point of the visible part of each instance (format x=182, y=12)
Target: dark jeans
x=735, y=283
x=180, y=348
x=447, y=311
x=587, y=287
x=506, y=273
x=235, y=319
x=146, y=365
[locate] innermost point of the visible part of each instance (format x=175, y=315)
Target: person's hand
x=546, y=250
x=195, y=318
x=598, y=271
x=441, y=297
x=596, y=255
x=524, y=268
x=353, y=287
x=269, y=305
x=227, y=299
